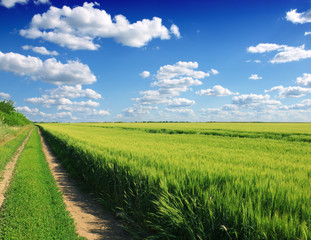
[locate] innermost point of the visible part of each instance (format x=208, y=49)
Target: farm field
x=195, y=180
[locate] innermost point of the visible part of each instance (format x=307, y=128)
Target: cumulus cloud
x=12, y=3
x=305, y=80
x=214, y=71
x=180, y=102
x=285, y=53
x=27, y=110
x=290, y=92
x=40, y=50
x=264, y=47
x=217, y=91
x=50, y=71
x=254, y=77
x=255, y=101
x=72, y=92
x=182, y=111
x=137, y=111
x=307, y=33
x=78, y=27
x=4, y=95
x=304, y=104
x=295, y=17
x=145, y=74
x=175, y=30
x=171, y=81
x=180, y=68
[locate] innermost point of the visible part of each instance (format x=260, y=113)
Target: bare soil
x=9, y=169
x=92, y=222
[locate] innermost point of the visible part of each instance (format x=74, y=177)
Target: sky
x=103, y=61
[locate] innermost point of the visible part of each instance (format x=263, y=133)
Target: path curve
x=92, y=222
x=9, y=168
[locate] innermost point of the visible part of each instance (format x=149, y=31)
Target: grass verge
x=34, y=208
x=9, y=148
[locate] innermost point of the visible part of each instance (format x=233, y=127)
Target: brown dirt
x=92, y=222
x=8, y=171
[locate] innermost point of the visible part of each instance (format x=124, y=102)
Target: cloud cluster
x=295, y=17
x=305, y=80
x=255, y=77
x=12, y=3
x=285, y=53
x=50, y=71
x=145, y=74
x=60, y=97
x=255, y=101
x=217, y=91
x=4, y=95
x=171, y=81
x=290, y=92
x=40, y=50
x=78, y=27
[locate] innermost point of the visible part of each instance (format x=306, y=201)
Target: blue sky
x=157, y=60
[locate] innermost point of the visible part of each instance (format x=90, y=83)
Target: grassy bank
x=9, y=148
x=34, y=208
x=192, y=186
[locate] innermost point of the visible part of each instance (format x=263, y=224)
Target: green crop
x=195, y=180
x=34, y=208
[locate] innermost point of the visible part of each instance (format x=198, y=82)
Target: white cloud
x=305, y=104
x=285, y=53
x=254, y=77
x=145, y=74
x=295, y=17
x=78, y=27
x=50, y=71
x=4, y=95
x=12, y=3
x=182, y=111
x=307, y=33
x=171, y=81
x=61, y=103
x=72, y=92
x=305, y=80
x=27, y=110
x=257, y=61
x=179, y=69
x=290, y=92
x=180, y=102
x=291, y=54
x=255, y=101
x=137, y=111
x=214, y=71
x=175, y=30
x=40, y=50
x=217, y=90
x=264, y=47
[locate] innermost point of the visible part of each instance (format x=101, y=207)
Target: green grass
x=9, y=148
x=195, y=186
x=33, y=208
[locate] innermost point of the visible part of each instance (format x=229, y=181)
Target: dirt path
x=8, y=171
x=91, y=220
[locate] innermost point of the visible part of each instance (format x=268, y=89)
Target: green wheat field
x=194, y=180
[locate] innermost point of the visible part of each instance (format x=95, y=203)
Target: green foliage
x=9, y=116
x=34, y=208
x=247, y=181
x=7, y=106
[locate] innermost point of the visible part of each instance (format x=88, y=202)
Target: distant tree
x=7, y=106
